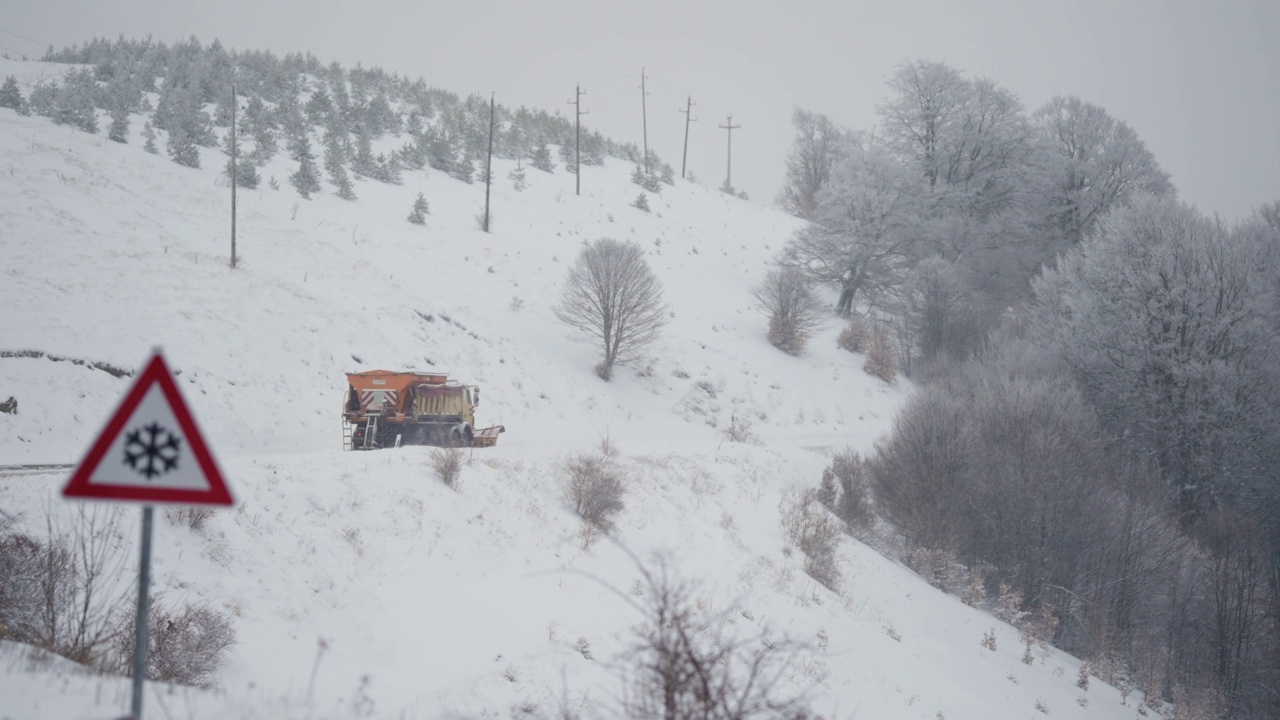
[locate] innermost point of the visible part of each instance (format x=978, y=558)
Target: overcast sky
x=1198, y=80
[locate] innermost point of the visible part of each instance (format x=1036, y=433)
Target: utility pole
x=233, y=177
x=644, y=114
x=688, y=118
x=576, y=102
x=488, y=166
x=728, y=175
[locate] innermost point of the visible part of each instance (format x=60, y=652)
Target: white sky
x=1197, y=80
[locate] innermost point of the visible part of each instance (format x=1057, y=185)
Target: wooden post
x=233, y=177
x=488, y=166
x=728, y=175
x=688, y=118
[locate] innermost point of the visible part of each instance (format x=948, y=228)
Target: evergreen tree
x=334, y=158
x=11, y=96
x=568, y=157
x=641, y=202
x=541, y=159
x=420, y=210
x=246, y=169
x=464, y=170
x=364, y=163
x=182, y=149
x=44, y=99
x=517, y=178
x=306, y=178
x=75, y=101
x=119, y=129
x=149, y=134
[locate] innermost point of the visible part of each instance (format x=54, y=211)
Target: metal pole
x=140, y=635
x=233, y=177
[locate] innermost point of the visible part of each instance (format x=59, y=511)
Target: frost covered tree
x=11, y=95
x=149, y=135
x=1166, y=317
x=864, y=229
x=307, y=177
x=182, y=150
x=334, y=165
x=1098, y=163
x=76, y=99
x=517, y=177
x=611, y=294
x=418, y=215
x=118, y=131
x=541, y=158
x=817, y=146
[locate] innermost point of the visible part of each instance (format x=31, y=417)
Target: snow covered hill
x=361, y=585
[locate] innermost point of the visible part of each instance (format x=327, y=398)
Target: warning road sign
x=151, y=450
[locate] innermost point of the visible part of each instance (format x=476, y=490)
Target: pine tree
x=119, y=129
x=333, y=164
x=420, y=210
x=541, y=159
x=306, y=178
x=517, y=178
x=149, y=134
x=182, y=149
x=11, y=96
x=641, y=203
x=246, y=169
x=364, y=163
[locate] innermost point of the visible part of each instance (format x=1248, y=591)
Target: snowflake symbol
x=151, y=456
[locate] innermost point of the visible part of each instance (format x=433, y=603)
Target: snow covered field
x=361, y=585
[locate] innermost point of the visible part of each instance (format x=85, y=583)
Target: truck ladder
x=346, y=435
x=371, y=432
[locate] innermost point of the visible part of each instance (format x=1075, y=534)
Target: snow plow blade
x=488, y=437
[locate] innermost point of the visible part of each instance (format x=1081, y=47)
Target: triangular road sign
x=151, y=451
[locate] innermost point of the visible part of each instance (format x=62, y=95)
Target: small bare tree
x=794, y=313
x=611, y=293
x=594, y=485
x=690, y=663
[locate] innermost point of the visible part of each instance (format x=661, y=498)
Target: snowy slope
x=433, y=602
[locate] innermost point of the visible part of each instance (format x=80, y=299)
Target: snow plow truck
x=384, y=408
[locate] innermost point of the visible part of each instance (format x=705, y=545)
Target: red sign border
x=156, y=372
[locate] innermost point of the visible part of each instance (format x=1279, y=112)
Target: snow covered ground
x=360, y=584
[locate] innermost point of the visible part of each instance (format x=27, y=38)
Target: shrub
x=882, y=362
x=191, y=516
x=184, y=645
x=854, y=505
x=594, y=486
x=812, y=528
x=854, y=336
x=687, y=662
x=641, y=202
x=447, y=464
x=60, y=593
x=739, y=431
x=794, y=313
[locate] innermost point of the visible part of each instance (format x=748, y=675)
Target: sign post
x=150, y=452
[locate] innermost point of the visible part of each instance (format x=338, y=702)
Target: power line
x=20, y=37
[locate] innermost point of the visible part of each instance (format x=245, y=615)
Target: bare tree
x=611, y=293
x=815, y=150
x=688, y=663
x=794, y=313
